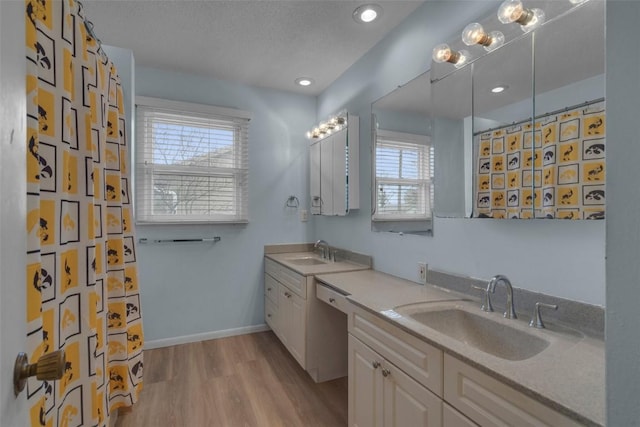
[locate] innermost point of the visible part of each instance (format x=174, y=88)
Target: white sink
x=307, y=261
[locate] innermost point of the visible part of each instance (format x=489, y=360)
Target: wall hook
x=292, y=202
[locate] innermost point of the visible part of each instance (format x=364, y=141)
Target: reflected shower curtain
x=82, y=286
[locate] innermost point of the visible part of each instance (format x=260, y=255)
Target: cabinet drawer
x=294, y=281
x=489, y=402
x=418, y=359
x=332, y=297
x=271, y=289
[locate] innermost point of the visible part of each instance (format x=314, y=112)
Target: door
x=13, y=205
x=365, y=385
x=407, y=403
x=314, y=178
x=326, y=176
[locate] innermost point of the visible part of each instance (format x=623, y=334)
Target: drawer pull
x=287, y=294
x=375, y=364
x=386, y=372
x=332, y=300
x=268, y=289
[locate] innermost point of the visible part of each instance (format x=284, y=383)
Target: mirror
x=555, y=84
x=402, y=160
x=451, y=108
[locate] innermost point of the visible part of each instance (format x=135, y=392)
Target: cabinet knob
x=268, y=315
x=287, y=294
x=386, y=372
x=332, y=300
x=269, y=289
x=375, y=364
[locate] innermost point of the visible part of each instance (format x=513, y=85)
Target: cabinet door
x=297, y=328
x=407, y=403
x=284, y=315
x=365, y=385
x=314, y=178
x=489, y=402
x=339, y=173
x=326, y=176
x=452, y=418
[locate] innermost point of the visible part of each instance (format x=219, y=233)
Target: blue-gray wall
x=198, y=288
x=564, y=259
x=623, y=214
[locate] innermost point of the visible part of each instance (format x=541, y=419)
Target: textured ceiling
x=264, y=43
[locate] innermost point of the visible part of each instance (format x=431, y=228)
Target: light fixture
x=475, y=34
x=334, y=124
x=304, y=81
x=367, y=13
x=514, y=11
x=499, y=89
x=443, y=53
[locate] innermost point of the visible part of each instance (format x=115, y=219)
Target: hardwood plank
x=248, y=380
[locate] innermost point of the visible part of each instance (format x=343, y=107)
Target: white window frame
x=146, y=171
x=398, y=139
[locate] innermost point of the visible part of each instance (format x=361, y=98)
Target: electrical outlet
x=422, y=272
x=304, y=215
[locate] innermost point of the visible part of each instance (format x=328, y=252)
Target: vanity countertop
x=567, y=376
x=288, y=260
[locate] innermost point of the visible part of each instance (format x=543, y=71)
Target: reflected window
x=404, y=175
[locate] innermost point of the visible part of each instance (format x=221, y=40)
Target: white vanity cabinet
x=311, y=331
x=334, y=171
x=396, y=379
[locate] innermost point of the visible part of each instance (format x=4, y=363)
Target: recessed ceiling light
x=367, y=13
x=499, y=89
x=304, y=81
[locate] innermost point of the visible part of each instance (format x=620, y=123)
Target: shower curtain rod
x=202, y=240
x=541, y=116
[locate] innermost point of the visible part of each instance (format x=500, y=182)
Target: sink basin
x=307, y=261
x=486, y=335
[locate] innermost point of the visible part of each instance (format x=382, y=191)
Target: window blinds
x=404, y=170
x=191, y=163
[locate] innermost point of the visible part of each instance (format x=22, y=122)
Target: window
x=403, y=181
x=191, y=163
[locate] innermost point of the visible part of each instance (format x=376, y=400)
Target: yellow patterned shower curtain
x=82, y=284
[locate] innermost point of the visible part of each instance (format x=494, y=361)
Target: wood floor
x=247, y=380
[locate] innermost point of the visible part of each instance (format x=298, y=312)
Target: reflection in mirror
x=451, y=103
x=570, y=114
x=503, y=148
x=402, y=170
x=552, y=81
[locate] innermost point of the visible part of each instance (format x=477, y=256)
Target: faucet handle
x=486, y=300
x=536, y=320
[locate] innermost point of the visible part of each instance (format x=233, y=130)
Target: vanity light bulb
x=577, y=1
x=442, y=53
x=535, y=21
x=473, y=34
x=309, y=134
x=510, y=11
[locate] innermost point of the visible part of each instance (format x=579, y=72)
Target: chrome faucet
x=491, y=287
x=324, y=247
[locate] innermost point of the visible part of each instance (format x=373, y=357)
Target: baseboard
x=204, y=336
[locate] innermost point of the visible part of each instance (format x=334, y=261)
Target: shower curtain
x=82, y=285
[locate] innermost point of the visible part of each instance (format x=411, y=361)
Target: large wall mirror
x=519, y=132
x=402, y=153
